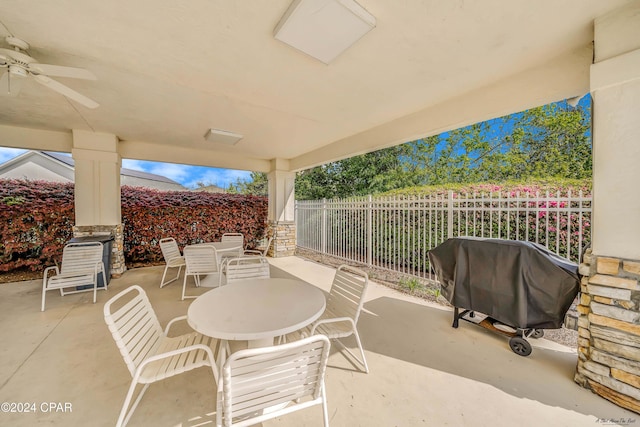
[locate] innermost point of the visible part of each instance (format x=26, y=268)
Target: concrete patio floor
x=423, y=372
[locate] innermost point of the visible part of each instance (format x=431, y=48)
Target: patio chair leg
x=104, y=279
x=44, y=292
x=95, y=290
x=362, y=361
x=184, y=286
x=125, y=415
x=325, y=412
x=164, y=275
x=178, y=275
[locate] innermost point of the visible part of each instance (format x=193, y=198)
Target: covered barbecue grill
x=519, y=284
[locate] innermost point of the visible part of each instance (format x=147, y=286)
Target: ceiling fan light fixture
x=324, y=29
x=222, y=136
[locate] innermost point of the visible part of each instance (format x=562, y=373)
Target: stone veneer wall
x=117, y=249
x=609, y=330
x=284, y=239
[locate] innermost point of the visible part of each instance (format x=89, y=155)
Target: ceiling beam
x=140, y=150
x=36, y=139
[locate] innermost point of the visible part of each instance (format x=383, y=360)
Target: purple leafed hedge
x=36, y=220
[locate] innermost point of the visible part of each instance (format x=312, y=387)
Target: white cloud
x=176, y=172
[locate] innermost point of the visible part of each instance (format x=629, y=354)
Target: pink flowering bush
x=556, y=214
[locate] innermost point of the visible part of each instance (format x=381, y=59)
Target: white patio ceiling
x=168, y=71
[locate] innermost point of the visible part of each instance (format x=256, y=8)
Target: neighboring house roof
x=50, y=166
x=210, y=189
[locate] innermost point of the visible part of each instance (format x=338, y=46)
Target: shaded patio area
x=423, y=372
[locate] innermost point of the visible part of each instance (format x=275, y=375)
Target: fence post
x=323, y=231
x=370, y=231
x=450, y=214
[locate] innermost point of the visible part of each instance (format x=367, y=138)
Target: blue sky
x=189, y=176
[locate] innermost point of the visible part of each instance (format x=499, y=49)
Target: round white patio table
x=256, y=310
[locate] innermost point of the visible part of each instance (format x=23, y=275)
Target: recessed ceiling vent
x=222, y=136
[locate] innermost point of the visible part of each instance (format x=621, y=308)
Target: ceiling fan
x=20, y=66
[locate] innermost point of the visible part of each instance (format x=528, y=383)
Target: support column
x=282, y=208
x=609, y=321
x=97, y=191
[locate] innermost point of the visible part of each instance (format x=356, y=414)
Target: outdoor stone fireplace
x=117, y=249
x=609, y=330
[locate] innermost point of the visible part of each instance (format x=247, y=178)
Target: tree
x=552, y=141
x=369, y=173
x=558, y=142
x=257, y=185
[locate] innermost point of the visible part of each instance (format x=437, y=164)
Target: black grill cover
x=521, y=284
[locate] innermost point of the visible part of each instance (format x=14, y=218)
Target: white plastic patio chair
x=81, y=263
x=255, y=383
x=251, y=267
x=200, y=260
x=149, y=353
x=344, y=304
x=172, y=258
x=233, y=238
x=227, y=255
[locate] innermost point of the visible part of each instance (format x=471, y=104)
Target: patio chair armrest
x=176, y=352
x=252, y=252
x=332, y=320
x=53, y=267
x=171, y=322
x=45, y=276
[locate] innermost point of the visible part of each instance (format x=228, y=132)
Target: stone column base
x=609, y=330
x=284, y=239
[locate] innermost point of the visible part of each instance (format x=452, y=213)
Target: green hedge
x=36, y=220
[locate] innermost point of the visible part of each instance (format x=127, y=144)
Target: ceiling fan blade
x=66, y=91
x=10, y=85
x=61, y=71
